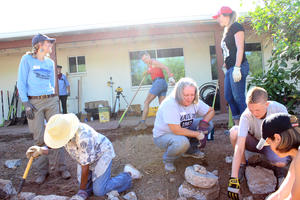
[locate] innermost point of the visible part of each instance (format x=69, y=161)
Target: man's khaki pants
x=45, y=109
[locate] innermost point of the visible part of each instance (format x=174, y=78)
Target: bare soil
x=132, y=147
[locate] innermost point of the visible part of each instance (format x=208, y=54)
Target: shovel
x=25, y=174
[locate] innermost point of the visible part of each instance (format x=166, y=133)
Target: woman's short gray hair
x=179, y=87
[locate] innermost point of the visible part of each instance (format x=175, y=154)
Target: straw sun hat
x=60, y=129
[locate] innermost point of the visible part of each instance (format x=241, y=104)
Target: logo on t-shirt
x=225, y=49
x=186, y=119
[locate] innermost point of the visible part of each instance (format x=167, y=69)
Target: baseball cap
x=276, y=123
x=40, y=37
x=223, y=10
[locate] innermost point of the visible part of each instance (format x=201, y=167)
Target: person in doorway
x=159, y=85
x=247, y=135
x=93, y=153
x=282, y=133
x=235, y=65
x=64, y=89
x=182, y=124
x=36, y=86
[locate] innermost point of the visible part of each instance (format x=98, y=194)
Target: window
x=172, y=58
x=253, y=54
x=77, y=64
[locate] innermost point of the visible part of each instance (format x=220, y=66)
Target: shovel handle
x=27, y=167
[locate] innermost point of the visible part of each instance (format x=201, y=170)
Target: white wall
x=111, y=58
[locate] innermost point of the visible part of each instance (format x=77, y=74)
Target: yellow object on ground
x=104, y=115
x=152, y=111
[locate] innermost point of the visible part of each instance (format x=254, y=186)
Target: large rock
x=24, y=196
x=50, y=197
x=199, y=177
x=186, y=190
x=260, y=180
x=6, y=189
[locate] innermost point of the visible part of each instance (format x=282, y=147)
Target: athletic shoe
x=134, y=173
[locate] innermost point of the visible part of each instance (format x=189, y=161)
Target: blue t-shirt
x=35, y=77
x=63, y=83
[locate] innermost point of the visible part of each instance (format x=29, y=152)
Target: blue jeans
x=235, y=91
x=176, y=145
x=159, y=87
x=105, y=183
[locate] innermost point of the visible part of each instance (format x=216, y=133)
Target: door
x=74, y=100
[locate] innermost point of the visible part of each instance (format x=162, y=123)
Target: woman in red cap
x=235, y=65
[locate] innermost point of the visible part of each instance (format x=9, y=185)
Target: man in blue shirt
x=36, y=86
x=64, y=89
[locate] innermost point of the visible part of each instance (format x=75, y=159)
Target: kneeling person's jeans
x=271, y=156
x=105, y=183
x=176, y=145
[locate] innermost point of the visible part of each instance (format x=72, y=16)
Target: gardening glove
x=34, y=151
x=29, y=109
x=81, y=195
x=233, y=188
x=172, y=80
x=224, y=69
x=203, y=126
x=236, y=74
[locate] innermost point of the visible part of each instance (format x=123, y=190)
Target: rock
x=24, y=196
x=50, y=197
x=13, y=164
x=200, y=169
x=6, y=189
x=172, y=179
x=200, y=180
x=112, y=194
x=186, y=190
x=215, y=172
x=130, y=196
x=228, y=159
x=181, y=198
x=260, y=180
x=248, y=198
x=159, y=196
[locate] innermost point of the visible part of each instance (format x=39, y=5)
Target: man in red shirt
x=159, y=85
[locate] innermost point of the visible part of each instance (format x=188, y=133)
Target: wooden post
x=218, y=38
x=54, y=58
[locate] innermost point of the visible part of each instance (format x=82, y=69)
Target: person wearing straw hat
x=36, y=86
x=281, y=133
x=92, y=151
x=247, y=135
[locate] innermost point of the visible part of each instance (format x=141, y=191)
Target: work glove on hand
x=29, y=109
x=34, y=151
x=233, y=188
x=236, y=74
x=203, y=126
x=81, y=195
x=172, y=80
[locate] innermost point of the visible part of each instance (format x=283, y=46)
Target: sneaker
x=242, y=170
x=41, y=178
x=134, y=173
x=170, y=167
x=65, y=174
x=197, y=154
x=140, y=126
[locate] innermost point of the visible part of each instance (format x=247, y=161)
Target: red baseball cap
x=223, y=10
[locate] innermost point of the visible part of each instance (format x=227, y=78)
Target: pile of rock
x=199, y=184
x=114, y=195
